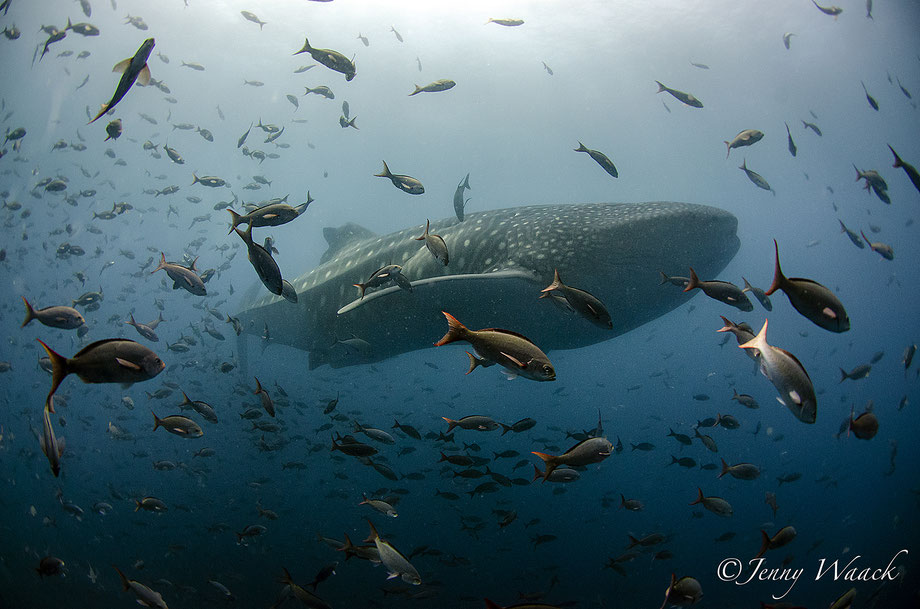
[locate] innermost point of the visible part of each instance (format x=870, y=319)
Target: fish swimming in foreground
x=600, y=158
x=112, y=360
x=756, y=178
x=262, y=261
x=331, y=59
x=384, y=276
x=586, y=452
x=438, y=85
x=147, y=330
x=723, y=291
x=186, y=278
x=882, y=249
x=782, y=537
x=133, y=70
x=680, y=96
x=306, y=598
x=833, y=11
x=404, y=183
x=435, y=244
x=908, y=169
x=788, y=376
x=815, y=302
x=178, y=425
x=512, y=351
x=747, y=137
x=63, y=317
x=395, y=563
x=583, y=302
x=145, y=596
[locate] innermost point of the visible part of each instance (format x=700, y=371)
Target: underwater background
x=525, y=96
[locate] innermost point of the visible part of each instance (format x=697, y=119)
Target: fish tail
x=765, y=545
x=30, y=313
x=373, y=534
x=664, y=278
x=661, y=87
x=474, y=362
x=537, y=474
x=556, y=284
x=694, y=281
x=156, y=420
x=897, y=160
x=286, y=578
x=58, y=372
x=778, y=278
x=385, y=173
x=185, y=400
x=581, y=148
x=418, y=89
x=455, y=331
x=362, y=287
x=195, y=178
x=729, y=145
x=235, y=219
x=759, y=341
x=724, y=468
x=124, y=580
x=306, y=49
x=843, y=376
x=69, y=25
x=450, y=423
x=632, y=541
x=258, y=387
x=700, y=498
x=505, y=428
x=162, y=264
x=550, y=461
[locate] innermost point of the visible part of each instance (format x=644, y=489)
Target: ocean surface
x=525, y=96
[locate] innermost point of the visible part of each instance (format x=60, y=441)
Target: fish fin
x=760, y=341
x=765, y=545
x=58, y=372
x=143, y=77
x=694, y=281
x=516, y=361
x=473, y=287
x=30, y=313
x=556, y=284
x=122, y=65
x=126, y=364
x=455, y=330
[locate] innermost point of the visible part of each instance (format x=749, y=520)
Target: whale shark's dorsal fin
x=341, y=237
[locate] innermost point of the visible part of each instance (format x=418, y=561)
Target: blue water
x=513, y=127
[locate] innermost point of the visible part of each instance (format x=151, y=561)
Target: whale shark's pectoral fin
x=439, y=288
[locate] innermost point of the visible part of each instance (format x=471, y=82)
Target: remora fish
x=502, y=265
x=133, y=69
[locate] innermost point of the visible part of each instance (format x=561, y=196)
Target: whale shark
x=499, y=262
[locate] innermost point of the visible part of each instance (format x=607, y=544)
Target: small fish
x=829, y=10
x=506, y=22
x=601, y=159
x=759, y=294
x=747, y=137
x=459, y=203
x=813, y=127
x=548, y=69
x=869, y=98
x=788, y=375
x=133, y=70
x=584, y=303
x=814, y=301
x=248, y=16
x=586, y=452
x=398, y=37
x=435, y=244
x=403, y=182
x=782, y=537
x=716, y=505
x=680, y=96
x=722, y=291
x=912, y=173
x=242, y=139
x=194, y=66
x=434, y=87
x=756, y=178
x=331, y=59
x=787, y=38
x=145, y=596
x=859, y=372
x=186, y=278
x=178, y=425
x=510, y=350
x=854, y=237
x=903, y=90
x=112, y=360
x=63, y=317
x=882, y=249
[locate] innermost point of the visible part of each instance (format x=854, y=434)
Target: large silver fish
x=500, y=260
